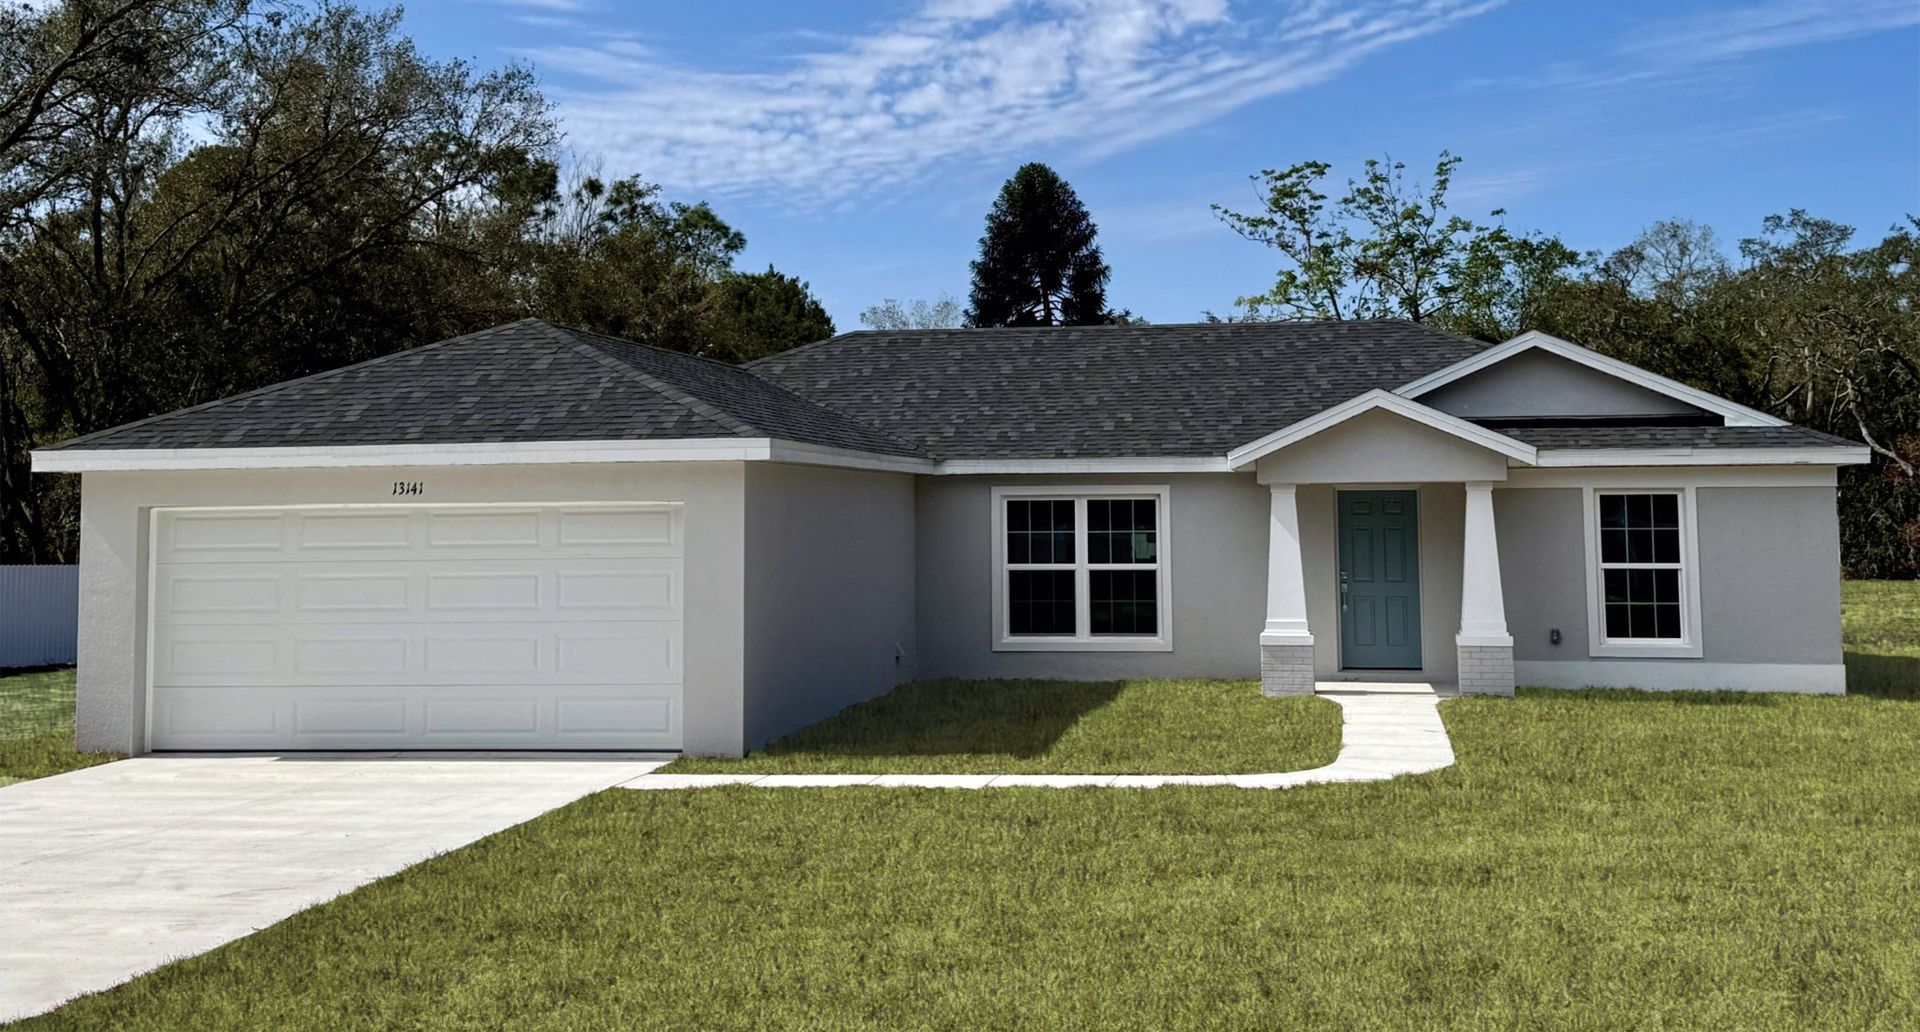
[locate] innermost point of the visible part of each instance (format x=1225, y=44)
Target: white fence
x=39, y=615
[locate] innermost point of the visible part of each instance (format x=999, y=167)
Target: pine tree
x=1038, y=264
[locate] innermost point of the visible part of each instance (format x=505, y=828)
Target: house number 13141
x=409, y=487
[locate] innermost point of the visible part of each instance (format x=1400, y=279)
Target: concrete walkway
x=115, y=870
x=1386, y=730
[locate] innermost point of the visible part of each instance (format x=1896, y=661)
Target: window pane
x=1613, y=510
x=1667, y=621
x=1123, y=601
x=1127, y=537
x=1039, y=548
x=1099, y=545
x=1617, y=626
x=1639, y=510
x=1040, y=602
x=1666, y=586
x=1097, y=519
x=1616, y=585
x=1666, y=545
x=1143, y=513
x=1063, y=516
x=1666, y=510
x=1613, y=545
x=1017, y=515
x=1639, y=545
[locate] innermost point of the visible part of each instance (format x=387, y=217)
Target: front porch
x=1383, y=561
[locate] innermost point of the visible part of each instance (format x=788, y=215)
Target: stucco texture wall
x=113, y=559
x=829, y=592
x=1769, y=580
x=1218, y=546
x=1539, y=383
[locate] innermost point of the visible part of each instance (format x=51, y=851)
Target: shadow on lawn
x=950, y=717
x=1883, y=676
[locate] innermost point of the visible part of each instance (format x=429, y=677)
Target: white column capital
x=1286, y=573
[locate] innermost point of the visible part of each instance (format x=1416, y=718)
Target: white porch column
x=1286, y=645
x=1485, y=647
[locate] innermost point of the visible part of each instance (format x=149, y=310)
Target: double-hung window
x=1080, y=568
x=1644, y=597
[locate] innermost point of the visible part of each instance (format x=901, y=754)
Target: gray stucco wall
x=1769, y=575
x=1218, y=545
x=110, y=711
x=1539, y=383
x=829, y=592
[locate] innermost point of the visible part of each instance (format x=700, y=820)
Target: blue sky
x=858, y=145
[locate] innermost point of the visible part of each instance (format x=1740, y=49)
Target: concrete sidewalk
x=114, y=870
x=1386, y=730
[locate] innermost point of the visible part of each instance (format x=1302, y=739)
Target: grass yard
x=36, y=727
x=1055, y=727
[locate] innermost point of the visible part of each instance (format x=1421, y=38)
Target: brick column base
x=1486, y=669
x=1286, y=670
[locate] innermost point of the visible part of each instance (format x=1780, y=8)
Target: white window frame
x=1688, y=645
x=1083, y=640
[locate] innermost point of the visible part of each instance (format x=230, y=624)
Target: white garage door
x=417, y=627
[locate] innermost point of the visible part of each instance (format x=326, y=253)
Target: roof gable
x=1734, y=414
x=1377, y=401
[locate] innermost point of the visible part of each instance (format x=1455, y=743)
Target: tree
x=1038, y=264
x=1385, y=249
x=770, y=312
x=941, y=314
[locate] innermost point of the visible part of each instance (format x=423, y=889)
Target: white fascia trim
x=1671, y=476
x=1126, y=464
x=1735, y=415
x=1835, y=456
x=727, y=449
x=1680, y=675
x=1472, y=433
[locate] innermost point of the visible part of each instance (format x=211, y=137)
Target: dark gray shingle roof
x=1106, y=390
x=948, y=394
x=524, y=381
x=1675, y=437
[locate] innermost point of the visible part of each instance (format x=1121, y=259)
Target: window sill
x=1646, y=650
x=1159, y=644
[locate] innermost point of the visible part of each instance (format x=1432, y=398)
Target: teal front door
x=1379, y=580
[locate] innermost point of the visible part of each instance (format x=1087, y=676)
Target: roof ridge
x=731, y=423
x=744, y=370
x=271, y=388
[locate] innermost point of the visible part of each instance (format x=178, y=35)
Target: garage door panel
x=533, y=627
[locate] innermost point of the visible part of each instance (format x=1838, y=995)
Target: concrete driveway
x=115, y=870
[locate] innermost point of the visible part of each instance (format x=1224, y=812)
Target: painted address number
x=409, y=487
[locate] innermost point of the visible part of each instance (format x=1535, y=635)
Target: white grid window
x=1080, y=568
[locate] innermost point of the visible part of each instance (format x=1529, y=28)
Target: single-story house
x=535, y=537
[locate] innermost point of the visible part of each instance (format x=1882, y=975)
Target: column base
x=1486, y=669
x=1286, y=669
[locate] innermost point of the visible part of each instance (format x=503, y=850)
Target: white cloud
x=964, y=80
x=1767, y=26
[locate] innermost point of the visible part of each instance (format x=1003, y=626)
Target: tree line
x=201, y=197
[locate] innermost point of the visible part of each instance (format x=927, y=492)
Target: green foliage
x=1038, y=264
x=770, y=312
x=1388, y=249
x=1056, y=727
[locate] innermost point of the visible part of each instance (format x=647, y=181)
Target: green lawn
x=1056, y=727
x=36, y=727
